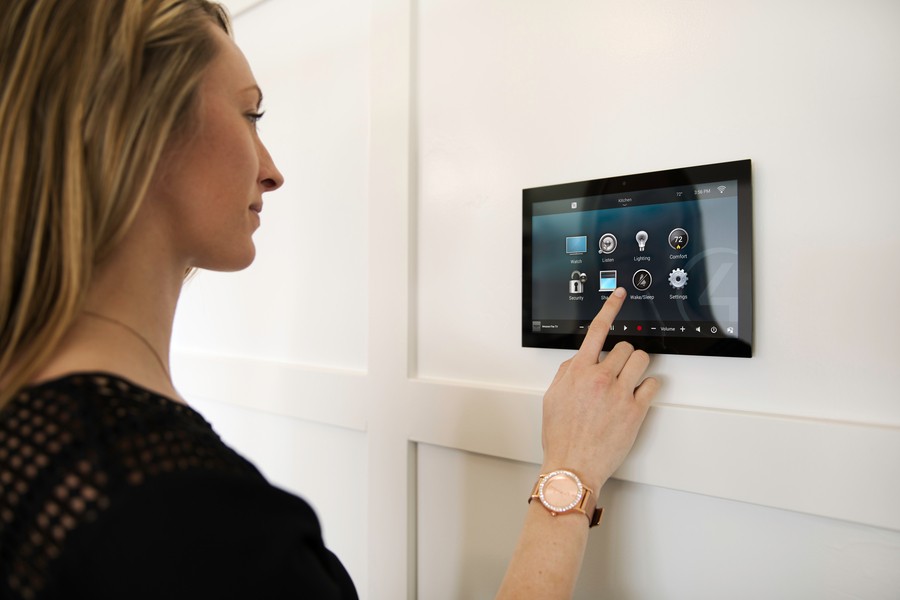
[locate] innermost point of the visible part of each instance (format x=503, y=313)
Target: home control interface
x=678, y=241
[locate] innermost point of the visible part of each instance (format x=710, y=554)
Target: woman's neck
x=125, y=326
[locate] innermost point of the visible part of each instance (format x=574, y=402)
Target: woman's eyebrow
x=258, y=91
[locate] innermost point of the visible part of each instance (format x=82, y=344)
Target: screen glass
x=678, y=241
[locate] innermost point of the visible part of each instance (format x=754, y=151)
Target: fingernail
x=620, y=292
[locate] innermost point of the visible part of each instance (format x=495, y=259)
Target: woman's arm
x=592, y=413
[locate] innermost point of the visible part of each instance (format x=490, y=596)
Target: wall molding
x=749, y=457
x=324, y=395
x=746, y=457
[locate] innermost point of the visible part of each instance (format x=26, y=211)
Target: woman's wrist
x=590, y=478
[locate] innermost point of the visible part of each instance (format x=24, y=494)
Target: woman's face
x=207, y=192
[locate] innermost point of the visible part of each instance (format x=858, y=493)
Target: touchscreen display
x=678, y=241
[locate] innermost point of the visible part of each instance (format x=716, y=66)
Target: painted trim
x=798, y=464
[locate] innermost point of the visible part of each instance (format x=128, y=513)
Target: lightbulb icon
x=641, y=239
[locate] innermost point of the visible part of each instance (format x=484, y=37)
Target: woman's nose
x=270, y=178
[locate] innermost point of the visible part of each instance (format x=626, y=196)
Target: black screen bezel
x=712, y=345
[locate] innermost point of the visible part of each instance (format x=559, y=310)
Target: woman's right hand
x=594, y=408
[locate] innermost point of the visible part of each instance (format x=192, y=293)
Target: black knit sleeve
x=190, y=535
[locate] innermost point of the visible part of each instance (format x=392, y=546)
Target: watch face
x=561, y=491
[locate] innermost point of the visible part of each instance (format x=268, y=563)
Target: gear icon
x=678, y=278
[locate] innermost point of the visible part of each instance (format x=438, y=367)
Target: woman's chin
x=230, y=263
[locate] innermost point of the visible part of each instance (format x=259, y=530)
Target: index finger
x=599, y=329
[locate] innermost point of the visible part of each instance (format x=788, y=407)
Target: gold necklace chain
x=137, y=334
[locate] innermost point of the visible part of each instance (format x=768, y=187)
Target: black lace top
x=108, y=490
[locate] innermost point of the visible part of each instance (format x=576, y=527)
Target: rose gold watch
x=562, y=492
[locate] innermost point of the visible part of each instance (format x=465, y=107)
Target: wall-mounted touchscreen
x=678, y=241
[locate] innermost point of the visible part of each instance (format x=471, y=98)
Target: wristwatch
x=562, y=492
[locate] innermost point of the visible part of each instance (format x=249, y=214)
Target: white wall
x=275, y=356
x=406, y=131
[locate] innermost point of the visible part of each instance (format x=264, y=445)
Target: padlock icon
x=576, y=283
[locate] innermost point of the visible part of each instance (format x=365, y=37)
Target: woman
x=129, y=156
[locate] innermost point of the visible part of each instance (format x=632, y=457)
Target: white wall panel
x=652, y=542
x=309, y=460
x=276, y=356
x=518, y=94
x=305, y=297
x=383, y=309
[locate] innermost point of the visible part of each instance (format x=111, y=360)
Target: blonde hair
x=90, y=93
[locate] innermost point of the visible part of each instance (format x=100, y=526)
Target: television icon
x=576, y=244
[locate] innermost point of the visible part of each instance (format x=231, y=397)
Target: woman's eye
x=255, y=117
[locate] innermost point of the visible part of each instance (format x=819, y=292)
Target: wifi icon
x=721, y=189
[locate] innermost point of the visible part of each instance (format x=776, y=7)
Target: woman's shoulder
x=115, y=425
x=74, y=448
x=95, y=389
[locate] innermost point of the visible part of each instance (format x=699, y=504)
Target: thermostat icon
x=678, y=238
